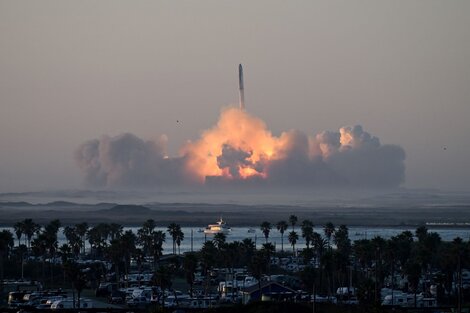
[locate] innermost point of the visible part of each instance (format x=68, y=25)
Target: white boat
x=251, y=230
x=220, y=227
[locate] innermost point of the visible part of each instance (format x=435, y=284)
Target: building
x=270, y=291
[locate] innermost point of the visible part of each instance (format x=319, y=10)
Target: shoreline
x=199, y=215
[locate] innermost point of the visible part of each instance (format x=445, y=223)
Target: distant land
x=399, y=208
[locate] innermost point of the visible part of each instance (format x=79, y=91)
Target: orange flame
x=241, y=132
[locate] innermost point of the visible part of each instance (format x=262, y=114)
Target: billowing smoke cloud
x=240, y=149
x=359, y=159
x=127, y=160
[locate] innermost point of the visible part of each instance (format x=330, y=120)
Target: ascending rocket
x=240, y=87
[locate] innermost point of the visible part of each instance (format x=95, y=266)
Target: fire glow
x=238, y=147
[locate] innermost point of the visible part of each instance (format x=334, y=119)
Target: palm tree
x=50, y=240
x=258, y=266
x=293, y=220
x=115, y=253
x=268, y=249
x=54, y=225
x=459, y=253
x=6, y=244
x=104, y=231
x=73, y=238
x=208, y=255
x=162, y=278
x=148, y=226
x=342, y=241
x=93, y=238
x=327, y=262
x=282, y=227
x=247, y=250
x=378, y=245
x=115, y=231
x=329, y=230
x=77, y=277
x=64, y=253
x=413, y=273
x=145, y=235
x=81, y=230
x=158, y=238
x=219, y=240
x=403, y=243
x=307, y=231
x=39, y=247
x=97, y=238
x=20, y=254
x=233, y=254
x=29, y=229
x=18, y=228
x=364, y=253
x=179, y=238
x=190, y=266
x=319, y=244
x=390, y=254
x=421, y=232
x=173, y=230
x=266, y=228
x=293, y=237
x=343, y=251
x=128, y=243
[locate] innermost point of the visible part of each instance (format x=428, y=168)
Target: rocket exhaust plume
x=240, y=87
x=241, y=149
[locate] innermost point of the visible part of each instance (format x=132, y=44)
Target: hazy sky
x=71, y=71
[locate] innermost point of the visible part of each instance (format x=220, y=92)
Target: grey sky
x=75, y=70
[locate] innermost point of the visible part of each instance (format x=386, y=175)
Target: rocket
x=240, y=87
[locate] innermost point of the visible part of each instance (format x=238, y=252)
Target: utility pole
x=314, y=297
x=459, y=279
x=191, y=240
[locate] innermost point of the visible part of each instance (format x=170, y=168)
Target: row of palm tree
x=307, y=232
x=28, y=228
x=414, y=255
x=108, y=241
x=377, y=258
x=373, y=260
x=99, y=235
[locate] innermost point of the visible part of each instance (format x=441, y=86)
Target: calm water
x=240, y=233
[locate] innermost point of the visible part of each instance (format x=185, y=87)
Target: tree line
x=330, y=260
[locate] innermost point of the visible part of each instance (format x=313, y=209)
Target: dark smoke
x=232, y=159
x=127, y=160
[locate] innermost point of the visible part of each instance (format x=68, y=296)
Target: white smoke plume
x=127, y=160
x=240, y=149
